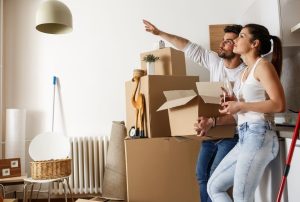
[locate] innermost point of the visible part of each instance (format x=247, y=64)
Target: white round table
x=31, y=182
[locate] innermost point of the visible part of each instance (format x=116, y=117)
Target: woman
x=261, y=92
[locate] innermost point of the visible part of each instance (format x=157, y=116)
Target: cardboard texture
x=100, y=199
x=10, y=200
x=216, y=34
x=171, y=61
x=162, y=169
x=10, y=168
x=152, y=86
x=114, y=180
x=184, y=106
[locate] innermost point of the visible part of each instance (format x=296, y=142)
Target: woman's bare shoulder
x=264, y=67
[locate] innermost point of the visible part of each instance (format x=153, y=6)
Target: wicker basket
x=51, y=169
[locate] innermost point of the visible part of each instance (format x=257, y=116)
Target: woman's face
x=242, y=44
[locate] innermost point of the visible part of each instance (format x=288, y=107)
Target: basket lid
x=47, y=146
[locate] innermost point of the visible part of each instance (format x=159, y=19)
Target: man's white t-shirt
x=215, y=65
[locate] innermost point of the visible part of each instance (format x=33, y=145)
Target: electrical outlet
x=5, y=172
x=14, y=164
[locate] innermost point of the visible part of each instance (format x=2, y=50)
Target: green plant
x=150, y=58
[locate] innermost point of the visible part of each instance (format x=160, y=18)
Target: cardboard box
x=171, y=61
x=10, y=168
x=100, y=199
x=184, y=106
x=152, y=86
x=162, y=169
x=10, y=200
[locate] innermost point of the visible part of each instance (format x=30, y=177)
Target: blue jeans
x=210, y=155
x=243, y=167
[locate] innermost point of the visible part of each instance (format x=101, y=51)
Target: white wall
x=95, y=60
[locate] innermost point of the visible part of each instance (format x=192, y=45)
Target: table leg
x=31, y=191
x=65, y=189
x=71, y=192
x=49, y=190
x=3, y=190
x=25, y=192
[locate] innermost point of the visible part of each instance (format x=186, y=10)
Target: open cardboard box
x=185, y=106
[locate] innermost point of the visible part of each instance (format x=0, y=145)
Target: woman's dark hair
x=262, y=34
x=233, y=28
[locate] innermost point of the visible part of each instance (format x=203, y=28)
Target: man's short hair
x=233, y=29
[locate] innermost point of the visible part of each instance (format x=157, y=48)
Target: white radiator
x=88, y=162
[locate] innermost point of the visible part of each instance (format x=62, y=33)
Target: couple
x=240, y=161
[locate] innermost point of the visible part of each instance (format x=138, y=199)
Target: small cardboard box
x=10, y=200
x=99, y=199
x=162, y=169
x=171, y=61
x=152, y=86
x=10, y=168
x=185, y=106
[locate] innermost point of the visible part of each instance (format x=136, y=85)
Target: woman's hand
x=226, y=97
x=230, y=107
x=203, y=125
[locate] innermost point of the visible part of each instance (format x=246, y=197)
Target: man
x=224, y=64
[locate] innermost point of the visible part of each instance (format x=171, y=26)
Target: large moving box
x=162, y=169
x=171, y=61
x=152, y=86
x=184, y=106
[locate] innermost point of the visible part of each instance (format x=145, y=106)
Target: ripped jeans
x=244, y=165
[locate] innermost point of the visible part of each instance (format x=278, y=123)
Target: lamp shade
x=53, y=17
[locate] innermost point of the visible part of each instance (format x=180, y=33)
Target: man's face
x=226, y=46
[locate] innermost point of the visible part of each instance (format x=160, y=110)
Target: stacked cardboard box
x=170, y=74
x=171, y=62
x=153, y=86
x=10, y=168
x=162, y=167
x=172, y=104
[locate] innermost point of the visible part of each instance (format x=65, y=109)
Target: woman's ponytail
x=262, y=34
x=277, y=54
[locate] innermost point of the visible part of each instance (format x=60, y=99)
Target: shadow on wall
x=193, y=69
x=290, y=77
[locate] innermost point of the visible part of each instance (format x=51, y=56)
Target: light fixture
x=53, y=17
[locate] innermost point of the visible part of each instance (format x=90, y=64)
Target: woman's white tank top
x=251, y=90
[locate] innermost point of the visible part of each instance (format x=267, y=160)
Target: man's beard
x=225, y=55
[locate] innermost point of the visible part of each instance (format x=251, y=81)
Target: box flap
x=210, y=91
x=177, y=98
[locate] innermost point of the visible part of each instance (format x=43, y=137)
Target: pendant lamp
x=53, y=17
